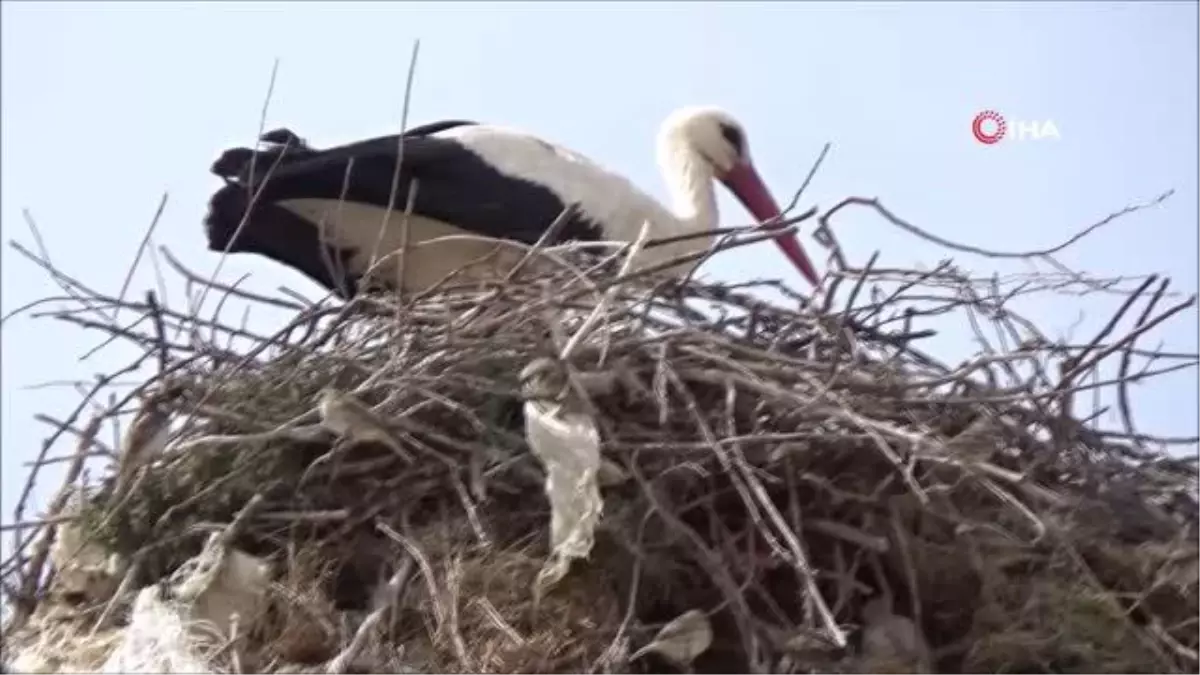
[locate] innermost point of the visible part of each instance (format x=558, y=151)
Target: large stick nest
x=776, y=465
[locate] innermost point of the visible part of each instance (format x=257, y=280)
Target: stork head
x=719, y=139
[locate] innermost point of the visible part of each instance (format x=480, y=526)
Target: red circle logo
x=988, y=127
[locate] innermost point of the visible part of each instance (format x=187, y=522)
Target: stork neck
x=689, y=179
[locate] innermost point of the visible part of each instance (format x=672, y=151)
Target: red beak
x=743, y=181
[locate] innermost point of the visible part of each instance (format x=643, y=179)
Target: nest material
x=777, y=469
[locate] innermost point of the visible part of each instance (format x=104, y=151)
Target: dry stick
x=137, y=258
x=260, y=348
x=740, y=482
x=1102, y=354
x=66, y=282
x=160, y=332
x=1115, y=319
x=615, y=647
x=666, y=264
x=422, y=564
x=24, y=602
x=873, y=428
x=400, y=254
x=863, y=540
x=19, y=545
x=928, y=236
x=262, y=122
x=395, y=187
x=1073, y=276
x=167, y=313
x=998, y=314
x=224, y=540
x=245, y=295
x=104, y=451
x=114, y=335
x=844, y=319
x=812, y=172
x=160, y=281
x=548, y=235
x=20, y=309
x=795, y=547
x=710, y=561
x=594, y=318
x=216, y=313
x=1105, y=596
x=1123, y=369
x=301, y=300
x=453, y=586
x=101, y=449
x=111, y=411
x=331, y=516
x=738, y=229
x=126, y=585
x=1023, y=394
x=336, y=273
x=44, y=522
x=770, y=225
x=405, y=236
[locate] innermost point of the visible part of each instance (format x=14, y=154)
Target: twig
x=965, y=248
x=137, y=257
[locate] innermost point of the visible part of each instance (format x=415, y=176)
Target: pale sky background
x=105, y=107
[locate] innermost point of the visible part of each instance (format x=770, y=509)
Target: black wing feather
x=453, y=185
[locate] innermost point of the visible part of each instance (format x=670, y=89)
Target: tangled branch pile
x=792, y=487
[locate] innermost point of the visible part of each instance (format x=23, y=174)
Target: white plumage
x=608, y=198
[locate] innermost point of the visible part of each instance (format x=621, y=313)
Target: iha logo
x=989, y=127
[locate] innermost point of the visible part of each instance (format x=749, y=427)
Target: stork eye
x=735, y=138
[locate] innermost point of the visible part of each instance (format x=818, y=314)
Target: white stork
x=475, y=179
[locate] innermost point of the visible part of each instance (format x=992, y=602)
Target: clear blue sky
x=104, y=107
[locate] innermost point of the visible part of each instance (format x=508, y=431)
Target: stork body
x=330, y=213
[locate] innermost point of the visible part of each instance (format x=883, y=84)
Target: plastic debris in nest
x=85, y=572
x=199, y=614
x=180, y=626
x=563, y=435
x=63, y=636
x=567, y=442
